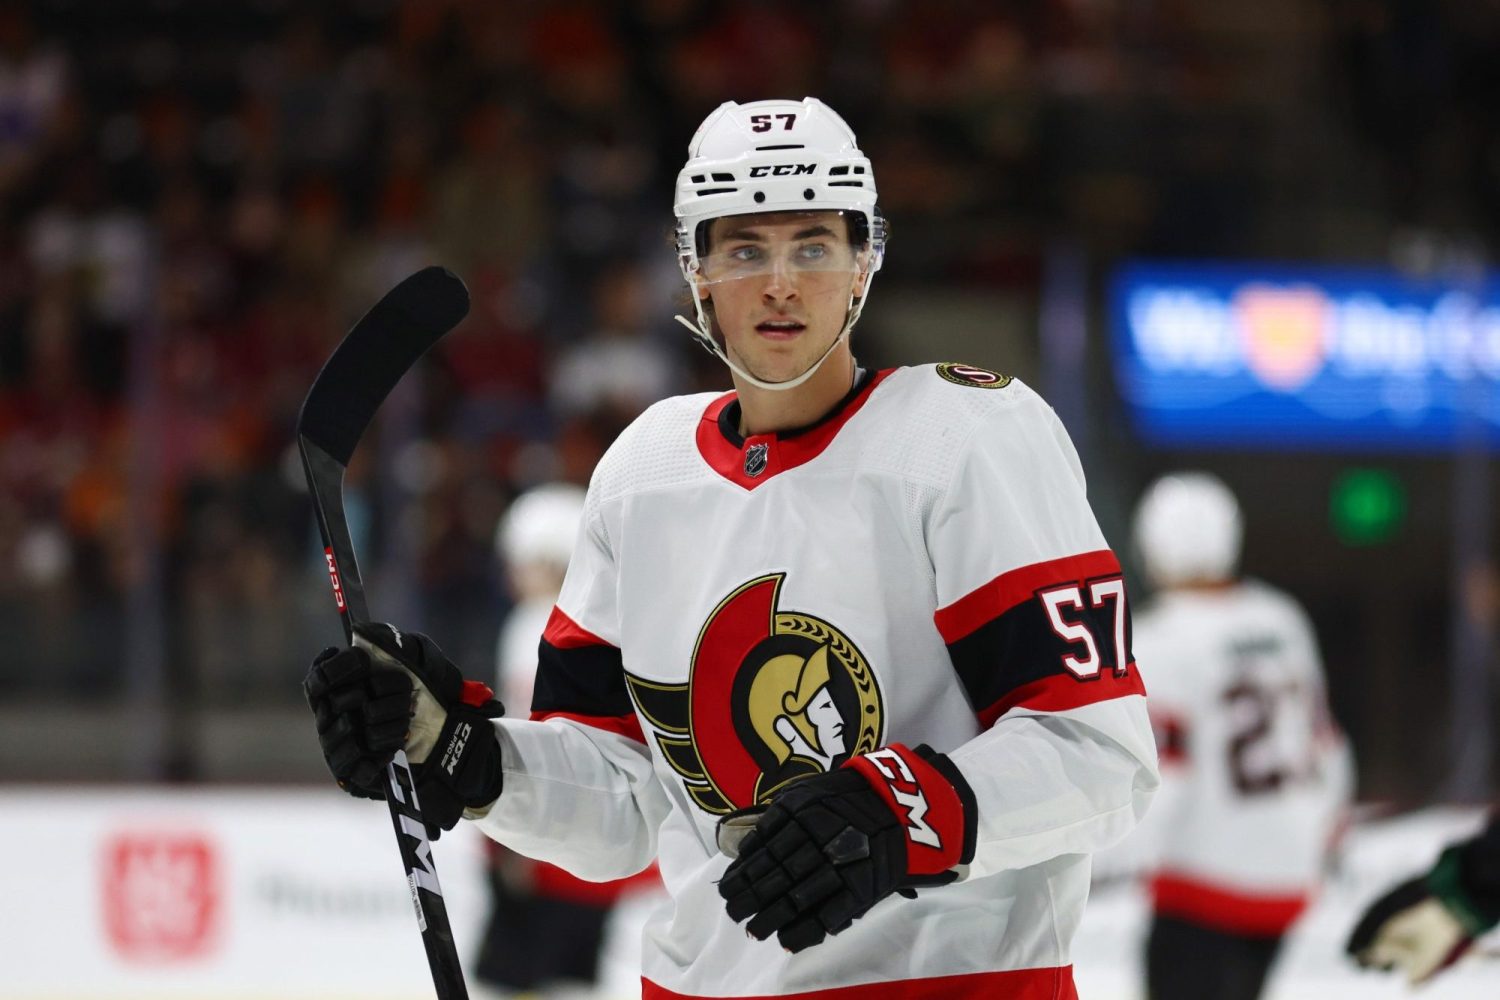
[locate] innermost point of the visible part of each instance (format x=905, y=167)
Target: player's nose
x=781, y=282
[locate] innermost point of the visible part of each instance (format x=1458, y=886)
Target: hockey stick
x=343, y=399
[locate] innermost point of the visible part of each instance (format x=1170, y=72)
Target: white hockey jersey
x=921, y=566
x=1256, y=778
x=515, y=651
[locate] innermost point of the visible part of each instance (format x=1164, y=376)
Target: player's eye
x=747, y=254
x=812, y=251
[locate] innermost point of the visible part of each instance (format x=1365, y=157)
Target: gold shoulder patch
x=972, y=375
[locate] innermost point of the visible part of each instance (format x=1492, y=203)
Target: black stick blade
x=377, y=351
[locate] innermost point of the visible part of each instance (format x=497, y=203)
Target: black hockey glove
x=393, y=689
x=362, y=717
x=1425, y=924
x=829, y=847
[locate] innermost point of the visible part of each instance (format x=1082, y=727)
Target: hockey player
x=533, y=542
x=546, y=928
x=844, y=648
x=1255, y=776
x=1427, y=923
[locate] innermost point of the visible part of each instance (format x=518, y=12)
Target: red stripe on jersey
x=1060, y=692
x=991, y=600
x=1228, y=910
x=623, y=725
x=564, y=633
x=1017, y=984
x=1171, y=738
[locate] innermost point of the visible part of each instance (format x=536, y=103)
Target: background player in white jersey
x=545, y=931
x=845, y=649
x=533, y=541
x=1255, y=775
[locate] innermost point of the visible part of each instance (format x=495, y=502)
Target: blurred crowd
x=196, y=200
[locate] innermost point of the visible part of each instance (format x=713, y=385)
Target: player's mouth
x=780, y=329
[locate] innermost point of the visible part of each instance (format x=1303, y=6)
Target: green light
x=1366, y=506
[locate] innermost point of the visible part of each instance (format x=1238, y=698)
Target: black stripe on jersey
x=1021, y=646
x=582, y=680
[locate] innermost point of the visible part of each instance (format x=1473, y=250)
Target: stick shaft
x=343, y=399
x=325, y=480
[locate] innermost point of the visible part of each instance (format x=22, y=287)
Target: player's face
x=780, y=285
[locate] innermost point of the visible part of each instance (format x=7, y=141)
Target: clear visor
x=811, y=244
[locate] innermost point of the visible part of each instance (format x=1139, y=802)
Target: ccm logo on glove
x=908, y=795
x=455, y=748
x=926, y=800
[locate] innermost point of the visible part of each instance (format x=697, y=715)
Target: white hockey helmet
x=540, y=526
x=774, y=156
x=1188, y=529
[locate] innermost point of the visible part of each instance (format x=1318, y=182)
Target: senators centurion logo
x=772, y=696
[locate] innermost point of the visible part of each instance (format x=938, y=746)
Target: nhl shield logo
x=755, y=459
x=772, y=696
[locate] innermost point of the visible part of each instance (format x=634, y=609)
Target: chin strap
x=701, y=332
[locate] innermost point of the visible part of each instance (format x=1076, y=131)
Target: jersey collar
x=751, y=461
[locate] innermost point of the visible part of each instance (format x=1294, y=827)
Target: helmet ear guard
x=774, y=156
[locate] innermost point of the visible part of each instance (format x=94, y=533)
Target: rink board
x=206, y=894
x=120, y=894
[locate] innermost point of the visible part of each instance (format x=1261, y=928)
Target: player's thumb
x=388, y=649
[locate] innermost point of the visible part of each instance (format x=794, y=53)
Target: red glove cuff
x=931, y=799
x=476, y=694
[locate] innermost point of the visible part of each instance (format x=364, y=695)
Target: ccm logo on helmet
x=908, y=795
x=784, y=170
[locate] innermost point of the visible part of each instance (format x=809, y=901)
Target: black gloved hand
x=451, y=745
x=831, y=846
x=362, y=716
x=444, y=722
